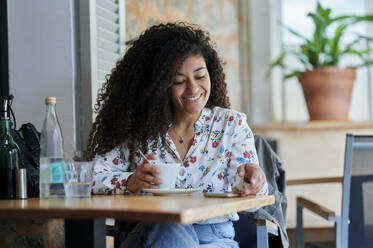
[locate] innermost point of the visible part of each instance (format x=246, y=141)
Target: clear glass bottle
x=52, y=173
x=9, y=155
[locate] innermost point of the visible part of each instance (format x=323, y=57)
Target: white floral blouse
x=222, y=142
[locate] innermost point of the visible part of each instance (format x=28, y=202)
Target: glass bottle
x=9, y=156
x=52, y=173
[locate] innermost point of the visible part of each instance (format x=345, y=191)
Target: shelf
x=312, y=126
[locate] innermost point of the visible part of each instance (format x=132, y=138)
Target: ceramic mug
x=169, y=173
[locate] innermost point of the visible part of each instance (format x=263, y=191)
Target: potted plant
x=326, y=86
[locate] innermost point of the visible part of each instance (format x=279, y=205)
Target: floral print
x=222, y=142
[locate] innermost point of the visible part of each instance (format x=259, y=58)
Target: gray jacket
x=275, y=175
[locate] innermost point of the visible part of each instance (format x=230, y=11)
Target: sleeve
x=111, y=172
x=242, y=151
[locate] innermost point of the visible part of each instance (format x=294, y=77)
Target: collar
x=203, y=119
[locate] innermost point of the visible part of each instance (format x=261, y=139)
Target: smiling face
x=190, y=89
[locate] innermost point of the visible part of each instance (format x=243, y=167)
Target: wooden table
x=85, y=218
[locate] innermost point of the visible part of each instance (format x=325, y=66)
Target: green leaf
x=360, y=53
x=357, y=19
x=334, y=50
x=335, y=40
x=364, y=37
x=278, y=62
x=294, y=32
x=292, y=74
x=310, y=51
x=303, y=59
x=323, y=12
x=341, y=18
x=366, y=63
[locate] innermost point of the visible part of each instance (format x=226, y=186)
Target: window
x=110, y=28
x=294, y=15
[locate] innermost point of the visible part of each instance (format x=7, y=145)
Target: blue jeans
x=181, y=236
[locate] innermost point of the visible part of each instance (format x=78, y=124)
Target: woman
x=167, y=98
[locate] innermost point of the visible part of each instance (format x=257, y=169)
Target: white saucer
x=177, y=191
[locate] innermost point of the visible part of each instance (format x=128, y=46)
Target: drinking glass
x=78, y=179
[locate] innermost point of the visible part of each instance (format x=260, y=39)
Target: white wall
x=42, y=62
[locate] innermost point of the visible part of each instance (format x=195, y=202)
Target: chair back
x=357, y=199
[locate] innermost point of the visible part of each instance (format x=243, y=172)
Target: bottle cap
x=50, y=100
x=21, y=183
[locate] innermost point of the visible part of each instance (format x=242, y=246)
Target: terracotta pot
x=328, y=91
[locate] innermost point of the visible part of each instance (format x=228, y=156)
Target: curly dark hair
x=134, y=104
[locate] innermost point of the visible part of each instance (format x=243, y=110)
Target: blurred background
x=67, y=48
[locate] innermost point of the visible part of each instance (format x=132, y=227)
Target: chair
x=357, y=198
x=267, y=224
x=265, y=232
x=266, y=229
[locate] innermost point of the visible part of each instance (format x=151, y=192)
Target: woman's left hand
x=254, y=175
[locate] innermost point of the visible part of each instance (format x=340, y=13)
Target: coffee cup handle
x=182, y=174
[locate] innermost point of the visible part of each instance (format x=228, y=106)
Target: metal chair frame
x=265, y=228
x=341, y=222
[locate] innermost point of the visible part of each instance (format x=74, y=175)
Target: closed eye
x=200, y=77
x=178, y=82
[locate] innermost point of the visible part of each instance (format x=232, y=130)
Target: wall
x=42, y=62
x=219, y=17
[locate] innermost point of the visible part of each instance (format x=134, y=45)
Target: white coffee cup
x=169, y=173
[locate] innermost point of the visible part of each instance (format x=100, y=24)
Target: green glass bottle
x=9, y=156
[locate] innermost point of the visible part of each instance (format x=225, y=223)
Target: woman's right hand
x=144, y=177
